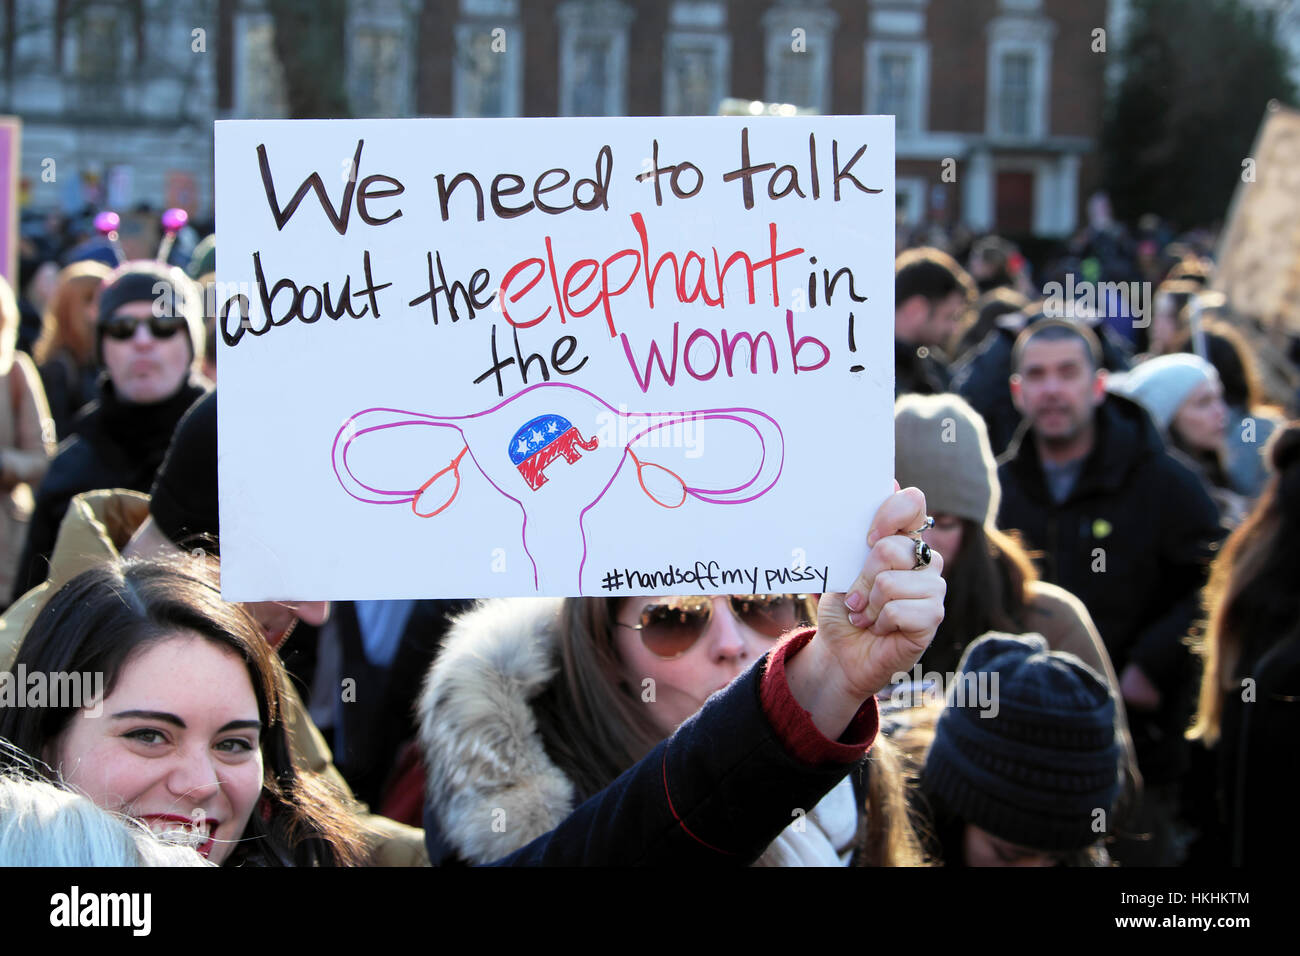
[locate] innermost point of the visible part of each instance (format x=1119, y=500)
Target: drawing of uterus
x=554, y=450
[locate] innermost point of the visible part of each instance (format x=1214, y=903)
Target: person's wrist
x=819, y=685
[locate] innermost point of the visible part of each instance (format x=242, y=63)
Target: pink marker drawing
x=518, y=444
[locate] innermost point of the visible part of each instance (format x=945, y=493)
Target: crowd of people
x=1074, y=640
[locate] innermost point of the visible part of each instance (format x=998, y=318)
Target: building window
x=593, y=57
x=1015, y=93
x=100, y=44
x=375, y=73
x=697, y=60
x=1019, y=74
x=260, y=81
x=488, y=75
x=798, y=54
x=897, y=82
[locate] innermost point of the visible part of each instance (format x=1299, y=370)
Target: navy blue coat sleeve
x=715, y=793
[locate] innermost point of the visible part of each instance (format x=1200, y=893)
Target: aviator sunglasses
x=122, y=327
x=670, y=630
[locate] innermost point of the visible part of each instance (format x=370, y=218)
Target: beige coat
x=26, y=447
x=97, y=527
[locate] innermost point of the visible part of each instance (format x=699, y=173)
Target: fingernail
x=871, y=540
x=855, y=601
x=859, y=621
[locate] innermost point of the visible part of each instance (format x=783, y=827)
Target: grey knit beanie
x=942, y=447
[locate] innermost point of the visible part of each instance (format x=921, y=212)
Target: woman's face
x=945, y=537
x=984, y=849
x=680, y=686
x=176, y=745
x=1201, y=419
x=1164, y=325
x=90, y=307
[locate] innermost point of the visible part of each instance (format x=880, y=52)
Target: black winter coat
x=1133, y=540
x=918, y=374
x=116, y=445
x=1257, y=766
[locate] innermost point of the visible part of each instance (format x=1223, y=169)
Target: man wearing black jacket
x=1126, y=527
x=931, y=291
x=149, y=333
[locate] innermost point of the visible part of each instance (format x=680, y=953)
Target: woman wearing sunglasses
x=534, y=706
x=149, y=338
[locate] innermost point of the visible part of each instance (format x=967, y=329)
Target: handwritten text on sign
x=482, y=357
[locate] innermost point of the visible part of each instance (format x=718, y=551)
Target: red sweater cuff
x=794, y=725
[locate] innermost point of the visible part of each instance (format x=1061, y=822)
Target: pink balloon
x=107, y=222
x=174, y=220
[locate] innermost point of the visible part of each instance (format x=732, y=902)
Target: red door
x=1015, y=203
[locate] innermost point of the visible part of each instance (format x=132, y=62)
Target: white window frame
x=385, y=18
x=919, y=53
x=578, y=20
x=819, y=24
x=245, y=20
x=1031, y=36
x=512, y=63
x=675, y=40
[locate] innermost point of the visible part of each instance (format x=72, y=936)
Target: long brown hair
x=988, y=586
x=1251, y=600
x=102, y=617
x=63, y=326
x=594, y=727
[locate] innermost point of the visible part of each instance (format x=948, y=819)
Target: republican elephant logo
x=519, y=461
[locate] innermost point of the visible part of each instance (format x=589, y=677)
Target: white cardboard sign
x=591, y=357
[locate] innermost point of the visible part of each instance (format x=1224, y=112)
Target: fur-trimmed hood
x=491, y=786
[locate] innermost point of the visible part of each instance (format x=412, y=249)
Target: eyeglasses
x=670, y=630
x=122, y=327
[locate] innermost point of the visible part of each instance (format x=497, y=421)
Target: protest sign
x=552, y=356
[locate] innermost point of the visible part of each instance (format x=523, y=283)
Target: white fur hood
x=491, y=785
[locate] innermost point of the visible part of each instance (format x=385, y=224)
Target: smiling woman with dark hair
x=189, y=735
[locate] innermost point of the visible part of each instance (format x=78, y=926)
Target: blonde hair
x=62, y=325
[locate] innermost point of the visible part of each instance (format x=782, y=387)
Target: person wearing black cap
x=1024, y=768
x=149, y=338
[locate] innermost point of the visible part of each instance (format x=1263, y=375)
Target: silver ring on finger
x=922, y=554
x=926, y=526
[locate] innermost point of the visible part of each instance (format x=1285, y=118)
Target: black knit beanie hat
x=148, y=281
x=184, y=497
x=1032, y=761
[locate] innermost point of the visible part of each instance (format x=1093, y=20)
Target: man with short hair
x=149, y=338
x=931, y=292
x=1123, y=525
